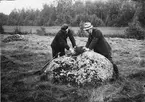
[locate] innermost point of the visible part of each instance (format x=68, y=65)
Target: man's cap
x=87, y=26
x=64, y=26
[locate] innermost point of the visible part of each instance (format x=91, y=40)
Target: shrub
x=96, y=21
x=81, y=33
x=1, y=29
x=135, y=31
x=42, y=31
x=17, y=30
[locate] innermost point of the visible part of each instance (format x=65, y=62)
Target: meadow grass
x=32, y=53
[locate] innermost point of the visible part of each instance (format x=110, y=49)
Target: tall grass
x=135, y=31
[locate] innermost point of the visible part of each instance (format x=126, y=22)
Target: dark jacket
x=60, y=40
x=97, y=42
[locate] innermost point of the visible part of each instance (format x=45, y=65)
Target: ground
x=34, y=51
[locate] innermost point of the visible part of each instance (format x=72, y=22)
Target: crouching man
x=98, y=43
x=59, y=43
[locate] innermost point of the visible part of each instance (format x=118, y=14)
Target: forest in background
x=113, y=13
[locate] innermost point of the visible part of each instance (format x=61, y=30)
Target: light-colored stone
x=88, y=67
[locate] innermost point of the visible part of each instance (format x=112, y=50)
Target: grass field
x=54, y=29
x=34, y=51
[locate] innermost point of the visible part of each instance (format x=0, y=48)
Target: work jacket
x=60, y=40
x=97, y=42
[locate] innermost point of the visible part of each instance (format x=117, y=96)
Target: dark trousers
x=115, y=68
x=57, y=52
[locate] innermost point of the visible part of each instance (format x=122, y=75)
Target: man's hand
x=86, y=49
x=70, y=51
x=75, y=47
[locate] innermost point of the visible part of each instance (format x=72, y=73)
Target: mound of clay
x=86, y=68
x=15, y=37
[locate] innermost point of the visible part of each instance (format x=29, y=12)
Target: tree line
x=112, y=13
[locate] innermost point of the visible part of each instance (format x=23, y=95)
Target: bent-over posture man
x=98, y=43
x=59, y=43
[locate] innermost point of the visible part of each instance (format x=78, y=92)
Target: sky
x=6, y=6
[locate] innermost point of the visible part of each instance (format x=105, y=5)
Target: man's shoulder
x=59, y=32
x=70, y=32
x=97, y=30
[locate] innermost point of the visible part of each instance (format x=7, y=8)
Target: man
x=59, y=43
x=97, y=42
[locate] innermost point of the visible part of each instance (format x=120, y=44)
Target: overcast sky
x=6, y=6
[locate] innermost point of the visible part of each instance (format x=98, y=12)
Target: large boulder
x=86, y=68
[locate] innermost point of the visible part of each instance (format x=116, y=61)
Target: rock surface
x=86, y=68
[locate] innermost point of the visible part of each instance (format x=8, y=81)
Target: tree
x=1, y=29
x=13, y=17
x=63, y=11
x=135, y=28
x=3, y=19
x=140, y=11
x=125, y=14
x=111, y=13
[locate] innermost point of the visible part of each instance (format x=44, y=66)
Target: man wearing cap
x=98, y=43
x=59, y=43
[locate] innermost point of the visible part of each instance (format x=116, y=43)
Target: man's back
x=99, y=43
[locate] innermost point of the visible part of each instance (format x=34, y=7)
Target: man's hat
x=87, y=26
x=64, y=26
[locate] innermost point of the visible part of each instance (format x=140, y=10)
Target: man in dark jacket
x=59, y=43
x=98, y=43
